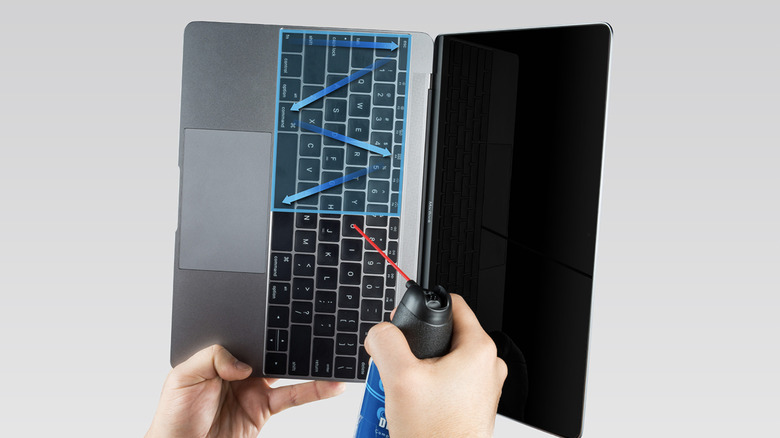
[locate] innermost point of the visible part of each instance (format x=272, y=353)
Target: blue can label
x=372, y=422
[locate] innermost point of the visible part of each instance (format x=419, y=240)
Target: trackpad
x=226, y=184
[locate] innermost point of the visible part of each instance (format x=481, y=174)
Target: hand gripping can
x=425, y=318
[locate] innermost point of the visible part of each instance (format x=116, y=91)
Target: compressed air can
x=425, y=318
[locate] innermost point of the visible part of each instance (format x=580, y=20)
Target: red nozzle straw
x=380, y=251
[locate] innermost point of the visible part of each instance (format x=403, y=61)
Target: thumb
x=388, y=347
x=207, y=364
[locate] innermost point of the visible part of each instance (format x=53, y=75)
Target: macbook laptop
x=473, y=161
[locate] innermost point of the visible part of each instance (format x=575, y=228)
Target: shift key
x=300, y=341
x=314, y=59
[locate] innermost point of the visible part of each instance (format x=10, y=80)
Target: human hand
x=451, y=396
x=210, y=395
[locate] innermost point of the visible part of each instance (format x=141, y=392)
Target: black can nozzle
x=425, y=318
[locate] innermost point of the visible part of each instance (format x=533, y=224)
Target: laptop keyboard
x=338, y=162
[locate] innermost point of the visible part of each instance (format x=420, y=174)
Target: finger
x=465, y=326
x=209, y=363
x=285, y=397
x=388, y=347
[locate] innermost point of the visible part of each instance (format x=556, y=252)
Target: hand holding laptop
x=210, y=394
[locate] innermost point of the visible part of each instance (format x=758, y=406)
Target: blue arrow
x=342, y=43
x=336, y=136
x=289, y=199
x=325, y=91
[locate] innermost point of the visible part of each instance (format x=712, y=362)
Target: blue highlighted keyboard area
x=340, y=119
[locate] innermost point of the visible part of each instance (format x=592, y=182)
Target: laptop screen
x=518, y=139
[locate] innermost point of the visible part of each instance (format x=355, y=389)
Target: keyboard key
x=328, y=254
x=400, y=107
x=358, y=129
x=371, y=310
x=390, y=297
x=354, y=200
x=386, y=53
x=372, y=286
x=301, y=312
x=401, y=88
x=395, y=180
x=362, y=366
x=310, y=145
x=364, y=328
x=288, y=119
x=292, y=42
x=398, y=132
x=332, y=203
x=306, y=220
x=362, y=57
x=382, y=140
x=350, y=273
x=333, y=158
x=392, y=231
x=282, y=232
x=378, y=236
x=378, y=191
x=314, y=60
x=373, y=263
x=347, y=320
x=386, y=72
x=324, y=325
x=339, y=92
x=384, y=95
x=390, y=277
x=352, y=250
x=340, y=128
x=305, y=241
x=275, y=363
x=312, y=117
x=312, y=200
x=361, y=84
x=359, y=105
x=387, y=317
x=278, y=293
x=356, y=156
x=403, y=54
x=382, y=119
x=392, y=251
x=346, y=344
x=300, y=342
x=357, y=183
x=325, y=302
x=376, y=221
x=349, y=297
x=338, y=57
x=272, y=340
x=307, y=91
x=329, y=230
x=346, y=226
x=309, y=169
x=283, y=340
x=382, y=166
x=303, y=265
x=344, y=368
x=290, y=90
x=330, y=176
x=322, y=357
x=278, y=317
x=303, y=288
x=291, y=65
x=327, y=278
x=336, y=110
x=281, y=266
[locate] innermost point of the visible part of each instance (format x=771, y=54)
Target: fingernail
x=241, y=365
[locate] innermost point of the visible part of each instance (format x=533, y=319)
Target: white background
x=684, y=337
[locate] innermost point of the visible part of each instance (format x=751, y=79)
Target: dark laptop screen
x=515, y=197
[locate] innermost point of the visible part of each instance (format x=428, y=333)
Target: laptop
x=473, y=161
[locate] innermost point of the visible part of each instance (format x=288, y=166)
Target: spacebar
x=300, y=343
